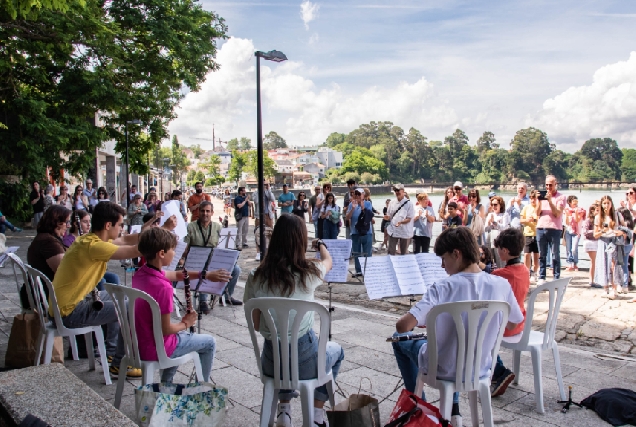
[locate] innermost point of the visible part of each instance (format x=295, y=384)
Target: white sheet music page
x=172, y=208
x=340, y=250
x=195, y=262
x=222, y=259
x=227, y=239
x=379, y=278
x=431, y=268
x=408, y=274
x=178, y=253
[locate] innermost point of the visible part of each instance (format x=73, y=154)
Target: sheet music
x=173, y=208
x=431, y=268
x=134, y=229
x=407, y=273
x=195, y=261
x=178, y=253
x=340, y=250
x=228, y=238
x=222, y=259
x=10, y=250
x=379, y=278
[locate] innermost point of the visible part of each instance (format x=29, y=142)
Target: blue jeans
x=188, y=342
x=329, y=230
x=230, y=285
x=361, y=244
x=4, y=225
x=108, y=278
x=407, y=355
x=307, y=363
x=547, y=236
x=500, y=369
x=572, y=247
x=315, y=228
x=628, y=249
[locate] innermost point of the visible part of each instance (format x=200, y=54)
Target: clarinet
x=188, y=296
x=97, y=303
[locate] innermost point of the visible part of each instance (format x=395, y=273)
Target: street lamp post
x=128, y=122
x=276, y=56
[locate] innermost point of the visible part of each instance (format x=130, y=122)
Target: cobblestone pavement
x=361, y=326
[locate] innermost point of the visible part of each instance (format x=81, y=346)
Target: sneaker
x=204, y=307
x=131, y=372
x=595, y=285
x=456, y=421
x=540, y=282
x=258, y=256
x=17, y=230
x=502, y=383
x=283, y=415
x=533, y=278
x=232, y=301
x=320, y=415
x=245, y=245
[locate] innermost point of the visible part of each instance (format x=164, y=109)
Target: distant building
x=330, y=158
x=315, y=169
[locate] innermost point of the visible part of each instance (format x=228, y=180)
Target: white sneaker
x=320, y=414
x=540, y=282
x=258, y=256
x=456, y=421
x=533, y=278
x=283, y=415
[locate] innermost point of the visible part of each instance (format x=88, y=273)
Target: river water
x=586, y=198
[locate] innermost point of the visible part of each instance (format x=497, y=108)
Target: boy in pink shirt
x=157, y=246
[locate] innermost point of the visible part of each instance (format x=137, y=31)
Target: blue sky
x=564, y=67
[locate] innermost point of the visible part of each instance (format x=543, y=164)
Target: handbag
x=477, y=225
x=21, y=349
x=237, y=215
x=357, y=410
x=412, y=411
x=191, y=405
x=335, y=217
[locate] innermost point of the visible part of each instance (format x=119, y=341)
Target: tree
x=605, y=151
x=232, y=144
x=179, y=162
x=361, y=161
x=269, y=167
x=114, y=61
x=529, y=148
x=273, y=141
x=334, y=139
x=628, y=164
x=196, y=150
x=486, y=142
x=237, y=165
x=245, y=144
x=211, y=165
x=367, y=178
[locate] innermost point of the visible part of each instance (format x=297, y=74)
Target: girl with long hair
x=74, y=232
x=102, y=195
x=591, y=242
x=300, y=206
x=330, y=214
x=628, y=229
x=64, y=199
x=286, y=272
x=80, y=201
x=608, y=270
x=442, y=212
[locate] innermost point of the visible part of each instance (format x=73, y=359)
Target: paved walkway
x=362, y=332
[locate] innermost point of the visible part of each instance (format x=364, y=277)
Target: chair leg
x=446, y=401
x=268, y=403
x=419, y=385
x=48, y=349
x=101, y=345
x=516, y=365
x=557, y=364
x=73, y=344
x=121, y=380
x=89, y=350
x=147, y=373
x=307, y=403
x=538, y=382
x=39, y=347
x=486, y=405
x=332, y=396
x=197, y=367
x=474, y=404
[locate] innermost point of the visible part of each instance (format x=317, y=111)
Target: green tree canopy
x=628, y=164
x=245, y=144
x=361, y=161
x=272, y=141
x=232, y=144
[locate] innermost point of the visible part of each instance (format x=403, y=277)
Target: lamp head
x=272, y=55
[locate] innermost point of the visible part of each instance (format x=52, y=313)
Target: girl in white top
x=286, y=272
x=606, y=225
x=64, y=199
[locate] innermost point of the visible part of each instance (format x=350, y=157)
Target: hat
x=398, y=187
x=492, y=194
x=458, y=184
x=359, y=190
x=284, y=185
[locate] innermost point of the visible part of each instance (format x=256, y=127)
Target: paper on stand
x=340, y=250
x=135, y=229
x=408, y=274
x=172, y=208
x=380, y=279
x=222, y=259
x=178, y=253
x=228, y=238
x=431, y=268
x=197, y=257
x=9, y=250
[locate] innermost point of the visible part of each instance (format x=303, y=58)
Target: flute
x=188, y=296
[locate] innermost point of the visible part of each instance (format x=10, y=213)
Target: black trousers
x=421, y=244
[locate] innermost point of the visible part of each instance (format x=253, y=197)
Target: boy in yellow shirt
x=529, y=221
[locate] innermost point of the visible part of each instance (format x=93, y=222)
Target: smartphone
x=542, y=194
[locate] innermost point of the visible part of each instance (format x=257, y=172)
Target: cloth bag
x=191, y=405
x=477, y=225
x=411, y=411
x=358, y=410
x=25, y=332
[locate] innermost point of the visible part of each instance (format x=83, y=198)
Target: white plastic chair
x=22, y=278
x=470, y=349
x=276, y=312
x=50, y=331
x=535, y=341
x=124, y=299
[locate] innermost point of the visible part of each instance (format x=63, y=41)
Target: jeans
x=547, y=236
x=229, y=289
x=36, y=219
x=500, y=369
x=628, y=249
x=188, y=342
x=329, y=229
x=108, y=278
x=4, y=225
x=572, y=247
x=360, y=244
x=241, y=235
x=315, y=229
x=421, y=244
x=84, y=315
x=307, y=363
x=407, y=355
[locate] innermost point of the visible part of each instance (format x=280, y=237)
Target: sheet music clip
x=412, y=299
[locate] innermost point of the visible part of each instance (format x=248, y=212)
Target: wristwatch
x=320, y=242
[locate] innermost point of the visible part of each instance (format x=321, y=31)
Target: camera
x=542, y=194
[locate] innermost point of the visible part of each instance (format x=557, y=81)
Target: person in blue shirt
x=242, y=205
x=286, y=200
x=360, y=244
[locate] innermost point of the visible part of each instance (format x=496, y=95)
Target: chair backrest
x=22, y=278
x=276, y=312
x=556, y=289
x=37, y=299
x=124, y=299
x=470, y=343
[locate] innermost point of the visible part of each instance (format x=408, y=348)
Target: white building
x=329, y=158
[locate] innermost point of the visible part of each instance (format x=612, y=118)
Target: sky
x=565, y=67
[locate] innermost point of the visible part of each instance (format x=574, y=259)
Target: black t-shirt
x=39, y=206
x=454, y=222
x=43, y=247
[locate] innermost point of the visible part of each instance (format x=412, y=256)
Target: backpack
x=363, y=225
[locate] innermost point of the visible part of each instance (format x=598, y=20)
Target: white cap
x=359, y=190
x=458, y=184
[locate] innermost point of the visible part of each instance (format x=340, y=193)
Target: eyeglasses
x=494, y=204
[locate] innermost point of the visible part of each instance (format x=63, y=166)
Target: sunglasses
x=629, y=192
x=494, y=204
x=458, y=188
x=472, y=196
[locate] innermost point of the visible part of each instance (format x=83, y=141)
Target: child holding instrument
x=157, y=246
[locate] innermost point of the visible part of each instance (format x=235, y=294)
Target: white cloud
x=298, y=110
x=606, y=108
x=308, y=12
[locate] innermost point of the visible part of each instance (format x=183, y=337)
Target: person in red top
x=195, y=200
x=509, y=245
